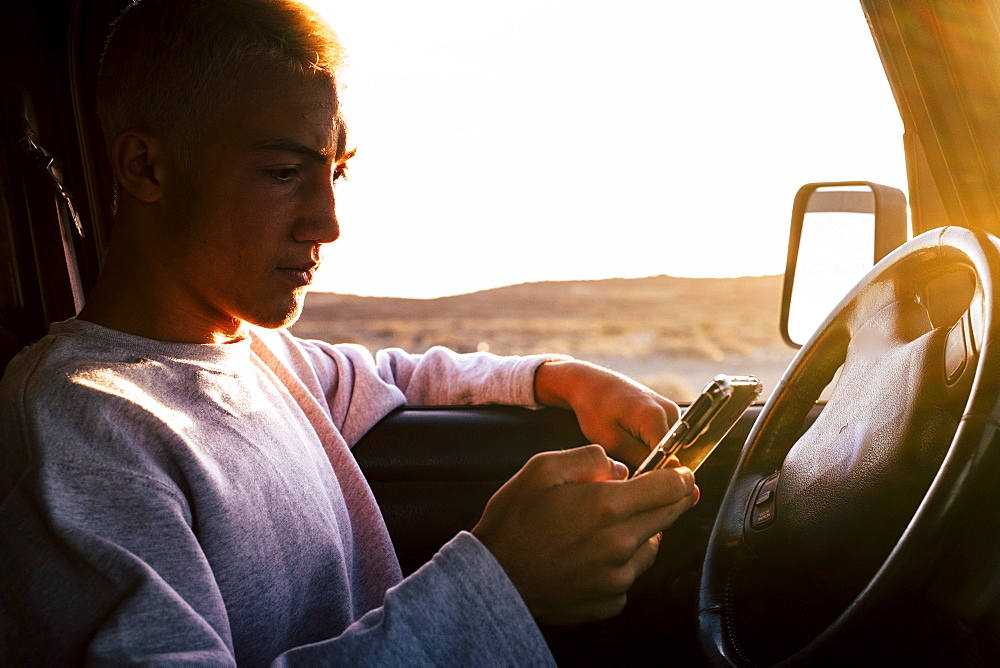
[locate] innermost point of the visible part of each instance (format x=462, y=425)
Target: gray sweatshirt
x=168, y=503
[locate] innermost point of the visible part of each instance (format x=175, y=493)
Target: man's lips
x=299, y=275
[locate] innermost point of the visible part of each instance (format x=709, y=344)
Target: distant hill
x=653, y=289
x=640, y=326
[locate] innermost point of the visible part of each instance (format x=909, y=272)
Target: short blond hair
x=170, y=64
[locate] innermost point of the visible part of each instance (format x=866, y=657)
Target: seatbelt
x=69, y=219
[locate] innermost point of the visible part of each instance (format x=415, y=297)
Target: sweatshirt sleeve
x=441, y=377
x=458, y=609
x=358, y=390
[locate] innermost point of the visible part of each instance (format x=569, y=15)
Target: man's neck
x=136, y=300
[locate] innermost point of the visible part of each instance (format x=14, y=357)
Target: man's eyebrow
x=323, y=155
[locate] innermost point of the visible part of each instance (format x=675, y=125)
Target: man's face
x=256, y=206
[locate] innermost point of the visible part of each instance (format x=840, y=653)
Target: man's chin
x=279, y=317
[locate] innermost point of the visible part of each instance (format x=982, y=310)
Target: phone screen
x=705, y=422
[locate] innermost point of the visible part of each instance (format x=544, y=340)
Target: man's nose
x=320, y=224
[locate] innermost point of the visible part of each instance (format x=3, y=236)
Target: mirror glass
x=836, y=249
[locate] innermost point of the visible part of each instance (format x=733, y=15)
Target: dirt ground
x=673, y=334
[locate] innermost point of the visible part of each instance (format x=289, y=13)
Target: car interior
x=850, y=518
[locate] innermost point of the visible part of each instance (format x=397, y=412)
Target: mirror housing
x=865, y=220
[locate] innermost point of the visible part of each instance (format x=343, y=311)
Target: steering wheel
x=830, y=542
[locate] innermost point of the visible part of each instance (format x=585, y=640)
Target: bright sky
x=528, y=140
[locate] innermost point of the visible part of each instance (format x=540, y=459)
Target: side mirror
x=838, y=232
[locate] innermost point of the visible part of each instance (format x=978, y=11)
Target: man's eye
x=282, y=174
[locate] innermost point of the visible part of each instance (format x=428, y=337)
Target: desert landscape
x=673, y=334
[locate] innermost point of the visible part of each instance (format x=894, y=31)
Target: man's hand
x=573, y=533
x=627, y=418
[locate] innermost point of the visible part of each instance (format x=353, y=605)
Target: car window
x=568, y=142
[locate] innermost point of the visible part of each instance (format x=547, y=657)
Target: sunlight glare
x=555, y=140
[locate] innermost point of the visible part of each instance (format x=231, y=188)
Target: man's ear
x=137, y=159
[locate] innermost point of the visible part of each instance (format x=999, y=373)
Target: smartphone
x=705, y=422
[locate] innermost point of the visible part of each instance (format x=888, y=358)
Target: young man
x=176, y=483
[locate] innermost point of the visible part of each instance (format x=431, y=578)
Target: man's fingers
x=644, y=510
x=652, y=420
x=656, y=420
x=645, y=556
x=648, y=524
x=640, y=429
x=588, y=463
x=609, y=595
x=657, y=488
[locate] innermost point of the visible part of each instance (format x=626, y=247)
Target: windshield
x=559, y=141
